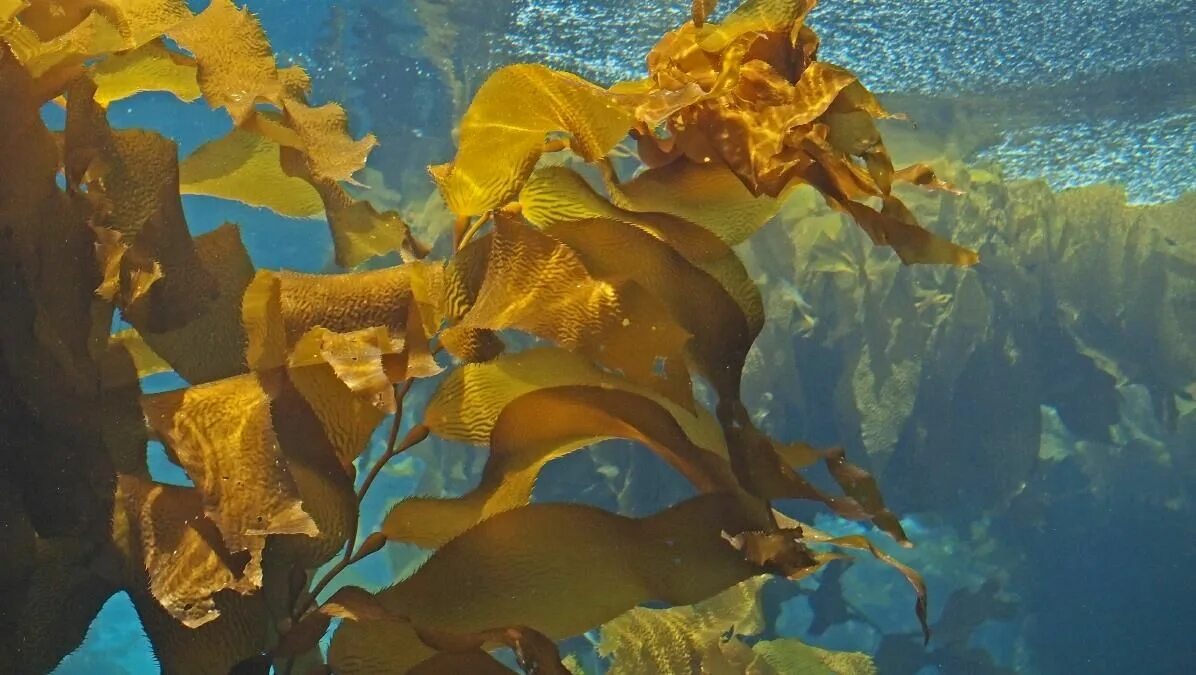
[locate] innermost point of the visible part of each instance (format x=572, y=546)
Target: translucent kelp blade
x=150, y=67
x=537, y=284
x=712, y=636
x=764, y=16
x=223, y=435
x=279, y=308
x=677, y=556
x=789, y=655
x=328, y=149
x=468, y=402
x=544, y=425
x=644, y=640
x=504, y=131
x=613, y=251
x=359, y=232
x=557, y=196
x=136, y=22
x=178, y=550
x=459, y=653
x=245, y=166
x=236, y=65
x=710, y=195
x=344, y=380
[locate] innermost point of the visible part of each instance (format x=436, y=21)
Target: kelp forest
x=656, y=358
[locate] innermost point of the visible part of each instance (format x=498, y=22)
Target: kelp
x=718, y=635
x=915, y=355
x=569, y=313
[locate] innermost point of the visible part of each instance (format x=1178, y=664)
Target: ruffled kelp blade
x=722, y=635
x=539, y=285
x=504, y=131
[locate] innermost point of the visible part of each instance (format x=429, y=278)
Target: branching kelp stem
x=353, y=553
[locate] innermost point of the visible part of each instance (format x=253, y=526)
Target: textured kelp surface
x=286, y=376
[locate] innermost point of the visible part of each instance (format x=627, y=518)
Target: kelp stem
x=478, y=224
x=352, y=553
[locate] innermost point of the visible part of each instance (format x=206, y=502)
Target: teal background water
x=1075, y=93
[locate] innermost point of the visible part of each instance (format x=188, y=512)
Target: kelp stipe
x=632, y=292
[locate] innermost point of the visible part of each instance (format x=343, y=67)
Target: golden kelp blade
x=359, y=232
x=323, y=131
x=712, y=632
x=504, y=131
x=557, y=196
x=223, y=435
x=151, y=67
x=246, y=167
x=765, y=16
x=577, y=567
x=613, y=251
x=279, y=308
x=644, y=640
x=236, y=64
x=325, y=368
x=710, y=195
x=164, y=531
x=136, y=22
x=544, y=425
x=468, y=402
x=539, y=285
x=458, y=653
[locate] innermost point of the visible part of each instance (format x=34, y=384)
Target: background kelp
x=288, y=375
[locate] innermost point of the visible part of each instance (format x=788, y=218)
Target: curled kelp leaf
x=861, y=486
x=503, y=135
x=626, y=562
x=764, y=16
x=246, y=166
x=776, y=118
x=212, y=346
x=613, y=251
x=151, y=67
x=541, y=426
x=556, y=196
x=222, y=434
x=708, y=194
x=281, y=307
x=539, y=285
x=236, y=64
x=179, y=551
x=862, y=543
x=359, y=232
x=149, y=260
x=468, y=402
x=344, y=380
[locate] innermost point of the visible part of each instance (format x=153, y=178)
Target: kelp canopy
x=630, y=289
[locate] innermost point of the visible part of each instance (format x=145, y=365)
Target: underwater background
x=1031, y=418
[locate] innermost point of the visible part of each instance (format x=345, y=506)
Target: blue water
x=1077, y=92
